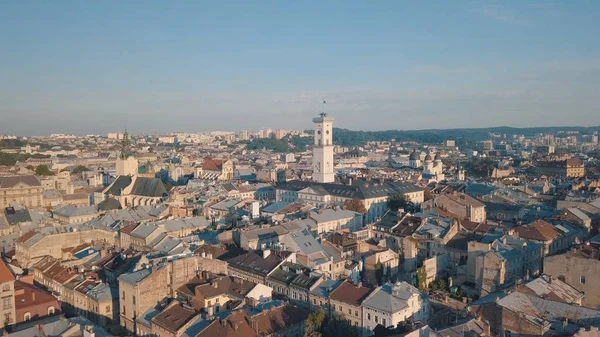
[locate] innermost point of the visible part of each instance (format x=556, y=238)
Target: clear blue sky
x=97, y=66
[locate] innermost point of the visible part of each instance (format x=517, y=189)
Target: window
x=123, y=295
x=334, y=307
x=7, y=303
x=217, y=300
x=314, y=301
x=51, y=311
x=582, y=279
x=133, y=300
x=383, y=322
x=107, y=309
x=369, y=317
x=6, y=287
x=209, y=304
x=349, y=311
x=124, y=311
x=356, y=313
x=376, y=319
x=27, y=317
x=507, y=333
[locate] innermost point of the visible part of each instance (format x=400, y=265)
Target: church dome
x=428, y=157
x=414, y=156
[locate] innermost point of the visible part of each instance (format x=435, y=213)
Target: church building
x=129, y=189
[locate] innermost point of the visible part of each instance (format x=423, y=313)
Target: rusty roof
x=538, y=230
x=174, y=317
x=349, y=293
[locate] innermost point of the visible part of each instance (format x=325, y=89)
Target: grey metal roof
x=382, y=299
x=109, y=204
x=225, y=204
x=325, y=287
x=58, y=326
x=539, y=311
x=303, y=242
x=360, y=189
x=10, y=181
x=103, y=292
x=17, y=216
x=72, y=211
x=135, y=277
x=144, y=230
x=119, y=184
x=148, y=187
x=275, y=207
x=187, y=223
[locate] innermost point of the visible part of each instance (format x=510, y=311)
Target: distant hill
x=465, y=138
x=345, y=137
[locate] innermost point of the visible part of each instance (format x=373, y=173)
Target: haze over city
x=155, y=66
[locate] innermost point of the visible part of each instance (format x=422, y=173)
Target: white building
x=391, y=304
x=323, y=149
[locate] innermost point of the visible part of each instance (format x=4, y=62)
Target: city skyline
x=192, y=67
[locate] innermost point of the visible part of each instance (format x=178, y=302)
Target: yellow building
x=20, y=190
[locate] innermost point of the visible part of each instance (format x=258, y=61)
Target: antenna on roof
x=323, y=114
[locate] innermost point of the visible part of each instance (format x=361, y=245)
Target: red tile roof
x=5, y=274
x=212, y=164
x=27, y=295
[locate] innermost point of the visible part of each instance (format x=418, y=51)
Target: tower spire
x=125, y=145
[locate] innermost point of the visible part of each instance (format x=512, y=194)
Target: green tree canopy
x=340, y=327
x=314, y=323
x=355, y=205
x=43, y=170
x=79, y=169
x=397, y=201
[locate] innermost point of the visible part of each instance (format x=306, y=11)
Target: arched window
x=51, y=311
x=27, y=317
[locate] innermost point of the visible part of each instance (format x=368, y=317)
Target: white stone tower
x=323, y=149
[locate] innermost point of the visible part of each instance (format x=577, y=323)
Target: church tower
x=127, y=164
x=323, y=149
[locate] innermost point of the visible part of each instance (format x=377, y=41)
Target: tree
x=397, y=201
x=30, y=167
x=379, y=274
x=43, y=170
x=340, y=327
x=314, y=324
x=427, y=195
x=79, y=169
x=355, y=205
